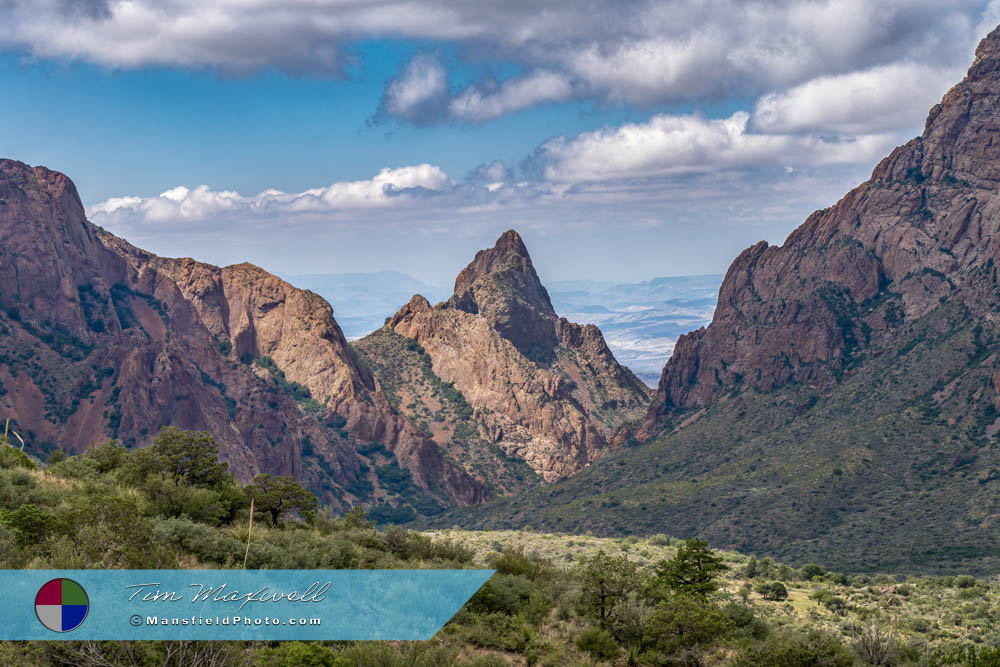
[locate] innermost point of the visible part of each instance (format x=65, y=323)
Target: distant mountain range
x=640, y=321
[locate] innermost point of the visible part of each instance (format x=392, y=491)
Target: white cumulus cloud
x=874, y=100
x=480, y=103
x=668, y=145
x=387, y=188
x=419, y=91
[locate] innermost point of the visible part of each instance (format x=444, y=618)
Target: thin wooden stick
x=16, y=435
x=249, y=530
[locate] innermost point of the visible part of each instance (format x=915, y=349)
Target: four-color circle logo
x=61, y=605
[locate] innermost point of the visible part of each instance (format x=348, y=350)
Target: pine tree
x=694, y=570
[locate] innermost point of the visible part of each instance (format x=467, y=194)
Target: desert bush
x=15, y=458
x=789, y=650
x=513, y=560
x=167, y=497
x=811, y=571
x=684, y=622
x=29, y=523
x=876, y=645
x=598, y=643
x=503, y=593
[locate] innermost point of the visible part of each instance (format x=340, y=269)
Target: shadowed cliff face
x=921, y=232
x=547, y=391
x=501, y=286
x=100, y=340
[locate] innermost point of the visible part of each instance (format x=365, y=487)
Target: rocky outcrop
x=100, y=339
x=919, y=233
x=546, y=390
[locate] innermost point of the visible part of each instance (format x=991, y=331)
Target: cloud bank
x=644, y=53
x=390, y=187
x=668, y=145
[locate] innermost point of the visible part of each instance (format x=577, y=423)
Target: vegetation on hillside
x=440, y=410
x=555, y=600
x=854, y=476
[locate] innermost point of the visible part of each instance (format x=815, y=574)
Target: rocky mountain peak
x=45, y=240
x=956, y=143
x=989, y=50
x=546, y=390
x=501, y=285
x=922, y=232
x=508, y=253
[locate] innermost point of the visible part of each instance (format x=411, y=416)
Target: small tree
x=772, y=591
x=606, y=582
x=189, y=456
x=811, y=571
x=355, y=518
x=108, y=456
x=684, y=622
x=694, y=570
x=279, y=495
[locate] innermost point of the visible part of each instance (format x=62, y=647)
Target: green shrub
x=76, y=467
x=306, y=654
x=167, y=497
x=774, y=590
x=743, y=622
x=969, y=656
x=828, y=599
x=15, y=458
x=29, y=522
x=513, y=560
x=787, y=650
x=811, y=571
x=503, y=593
x=684, y=622
x=107, y=456
x=598, y=643
x=498, y=631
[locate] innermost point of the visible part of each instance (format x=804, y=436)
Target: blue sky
x=624, y=140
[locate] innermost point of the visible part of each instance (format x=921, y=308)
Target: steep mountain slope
x=545, y=390
x=922, y=231
x=100, y=339
x=843, y=404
